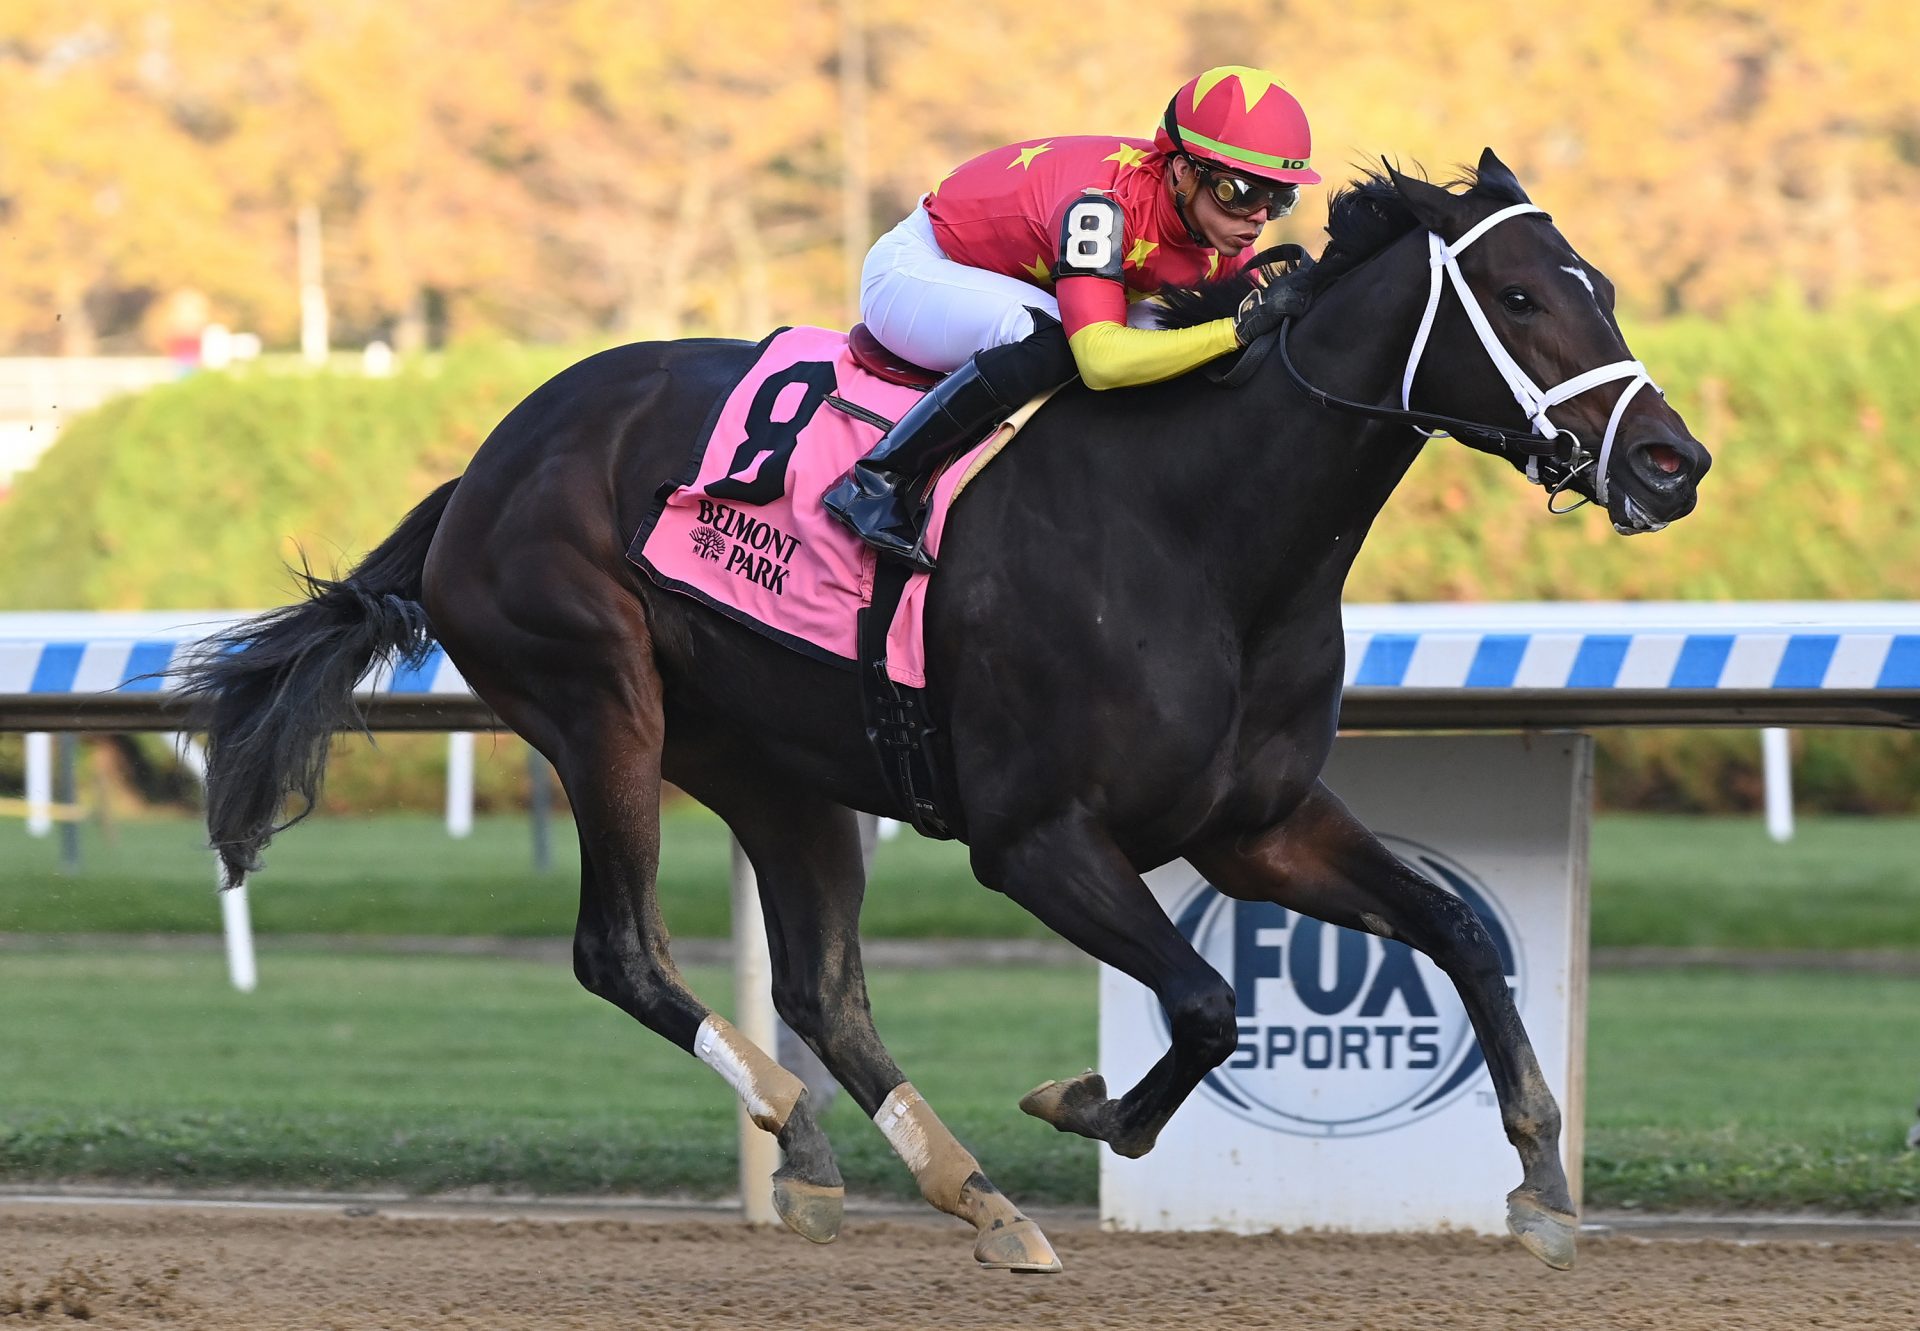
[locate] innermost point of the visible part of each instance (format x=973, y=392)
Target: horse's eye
x=1517, y=301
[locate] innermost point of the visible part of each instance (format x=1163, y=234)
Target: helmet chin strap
x=1183, y=200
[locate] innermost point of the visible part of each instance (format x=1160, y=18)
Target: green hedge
x=1814, y=423
x=199, y=493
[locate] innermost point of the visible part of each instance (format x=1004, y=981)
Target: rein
x=1546, y=441
x=1486, y=438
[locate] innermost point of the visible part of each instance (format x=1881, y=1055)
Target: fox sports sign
x=1341, y=1033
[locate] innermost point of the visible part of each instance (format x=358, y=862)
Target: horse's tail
x=271, y=691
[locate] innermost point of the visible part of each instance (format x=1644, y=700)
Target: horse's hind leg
x=1323, y=862
x=806, y=853
x=1075, y=879
x=598, y=715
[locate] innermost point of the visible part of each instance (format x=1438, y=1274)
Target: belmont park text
x=751, y=534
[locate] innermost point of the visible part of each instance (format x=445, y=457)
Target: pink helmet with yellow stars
x=1243, y=120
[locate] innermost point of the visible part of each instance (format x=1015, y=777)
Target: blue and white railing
x=1633, y=663
x=1606, y=646
x=75, y=670
x=1408, y=667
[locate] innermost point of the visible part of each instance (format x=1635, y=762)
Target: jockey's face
x=1221, y=229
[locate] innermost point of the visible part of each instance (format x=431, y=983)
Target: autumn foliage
x=581, y=168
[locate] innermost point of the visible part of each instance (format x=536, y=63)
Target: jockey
x=1016, y=272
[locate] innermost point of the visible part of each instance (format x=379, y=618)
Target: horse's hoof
x=811, y=1210
x=1068, y=1104
x=1544, y=1231
x=1016, y=1245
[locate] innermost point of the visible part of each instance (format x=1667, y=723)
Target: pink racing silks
x=749, y=537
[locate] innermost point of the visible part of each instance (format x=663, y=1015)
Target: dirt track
x=265, y=1270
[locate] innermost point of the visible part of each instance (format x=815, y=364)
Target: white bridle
x=1534, y=400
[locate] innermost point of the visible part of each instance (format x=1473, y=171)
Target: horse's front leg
x=1322, y=862
x=1071, y=875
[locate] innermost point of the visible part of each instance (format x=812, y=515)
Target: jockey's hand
x=1260, y=312
x=1279, y=290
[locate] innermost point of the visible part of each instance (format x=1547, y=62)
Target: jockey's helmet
x=1241, y=120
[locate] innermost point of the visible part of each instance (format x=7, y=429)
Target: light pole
x=854, y=183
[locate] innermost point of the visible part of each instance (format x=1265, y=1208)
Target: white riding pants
x=935, y=312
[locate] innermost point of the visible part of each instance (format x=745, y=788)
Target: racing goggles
x=1243, y=197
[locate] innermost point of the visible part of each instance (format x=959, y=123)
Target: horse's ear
x=1494, y=178
x=1433, y=207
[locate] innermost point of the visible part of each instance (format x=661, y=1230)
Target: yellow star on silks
x=1024, y=158
x=943, y=180
x=1253, y=83
x=1127, y=157
x=1039, y=271
x=1213, y=265
x=1142, y=247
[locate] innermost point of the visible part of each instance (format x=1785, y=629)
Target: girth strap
x=904, y=740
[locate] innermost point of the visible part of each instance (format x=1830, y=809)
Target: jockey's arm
x=1109, y=354
x=1092, y=293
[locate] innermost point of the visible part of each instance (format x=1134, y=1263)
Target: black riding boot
x=880, y=498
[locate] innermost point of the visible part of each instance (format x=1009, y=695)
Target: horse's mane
x=1363, y=218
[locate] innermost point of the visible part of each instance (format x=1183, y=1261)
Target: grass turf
x=1658, y=881
x=402, y=874
x=440, y=1072
x=348, y=1071
x=1720, y=1090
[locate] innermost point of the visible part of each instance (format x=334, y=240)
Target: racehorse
x=1134, y=654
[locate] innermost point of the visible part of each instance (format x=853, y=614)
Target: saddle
x=741, y=529
x=871, y=355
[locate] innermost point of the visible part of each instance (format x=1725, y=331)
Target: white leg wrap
x=940, y=1164
x=768, y=1090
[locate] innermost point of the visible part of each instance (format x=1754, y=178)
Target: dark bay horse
x=1134, y=648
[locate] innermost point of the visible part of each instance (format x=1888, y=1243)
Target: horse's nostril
x=1666, y=457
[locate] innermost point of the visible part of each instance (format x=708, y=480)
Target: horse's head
x=1542, y=335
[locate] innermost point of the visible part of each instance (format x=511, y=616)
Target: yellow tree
x=580, y=167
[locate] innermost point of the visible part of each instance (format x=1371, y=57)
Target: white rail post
x=236, y=915
x=236, y=921
x=753, y=1017
x=540, y=808
x=66, y=795
x=1777, y=758
x=460, y=784
x=39, y=783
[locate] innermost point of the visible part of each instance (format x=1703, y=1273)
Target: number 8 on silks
x=1088, y=239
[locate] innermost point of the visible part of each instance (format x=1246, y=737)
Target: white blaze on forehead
x=1580, y=273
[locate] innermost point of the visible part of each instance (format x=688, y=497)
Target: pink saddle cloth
x=747, y=535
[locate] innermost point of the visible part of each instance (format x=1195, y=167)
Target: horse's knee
x=1203, y=1022
x=634, y=989
x=591, y=968
x=800, y=1008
